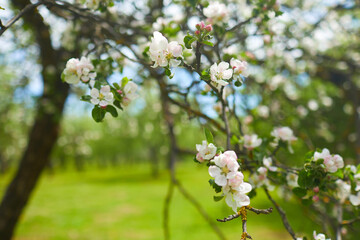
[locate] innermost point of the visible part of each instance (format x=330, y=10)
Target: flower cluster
x=163, y=53
x=226, y=174
x=224, y=168
x=77, y=70
x=331, y=162
x=217, y=13
x=202, y=28
x=239, y=67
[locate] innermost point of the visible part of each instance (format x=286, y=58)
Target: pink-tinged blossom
x=235, y=192
x=259, y=178
x=252, y=141
x=331, y=162
x=217, y=13
x=239, y=67
x=220, y=73
x=205, y=151
x=355, y=199
x=103, y=97
x=164, y=53
x=129, y=93
x=77, y=70
x=226, y=167
x=268, y=164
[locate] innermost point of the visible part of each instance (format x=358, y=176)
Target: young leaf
x=218, y=198
x=85, y=98
x=209, y=136
x=208, y=43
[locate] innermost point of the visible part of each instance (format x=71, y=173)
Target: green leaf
x=117, y=104
x=218, y=198
x=216, y=187
x=117, y=87
x=98, y=113
x=306, y=202
x=97, y=85
x=209, y=136
x=208, y=43
x=111, y=110
x=234, y=140
x=192, y=2
x=303, y=179
x=85, y=98
x=220, y=149
x=300, y=192
x=168, y=72
x=188, y=40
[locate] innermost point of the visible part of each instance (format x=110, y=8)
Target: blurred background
x=109, y=180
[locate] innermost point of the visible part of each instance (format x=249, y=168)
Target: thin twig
x=282, y=215
x=18, y=16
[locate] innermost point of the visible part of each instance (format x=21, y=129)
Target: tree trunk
x=44, y=132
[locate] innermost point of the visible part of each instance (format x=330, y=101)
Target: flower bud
x=197, y=32
x=119, y=91
x=209, y=28
x=316, y=189
x=315, y=198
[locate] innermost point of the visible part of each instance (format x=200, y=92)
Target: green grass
x=127, y=203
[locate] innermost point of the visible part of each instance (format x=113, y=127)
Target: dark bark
x=44, y=132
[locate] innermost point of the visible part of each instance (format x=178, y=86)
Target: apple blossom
x=205, y=151
x=129, y=93
x=103, y=97
x=239, y=67
x=331, y=163
x=343, y=190
x=77, y=70
x=226, y=167
x=292, y=179
x=355, y=199
x=163, y=53
x=217, y=13
x=220, y=73
x=319, y=236
x=267, y=163
x=283, y=133
x=357, y=181
x=235, y=192
x=251, y=141
x=259, y=179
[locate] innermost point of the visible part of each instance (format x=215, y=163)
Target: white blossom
x=220, y=73
x=164, y=53
x=205, y=151
x=217, y=13
x=103, y=97
x=319, y=236
x=343, y=190
x=292, y=179
x=285, y=134
x=226, y=167
x=252, y=141
x=355, y=199
x=268, y=164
